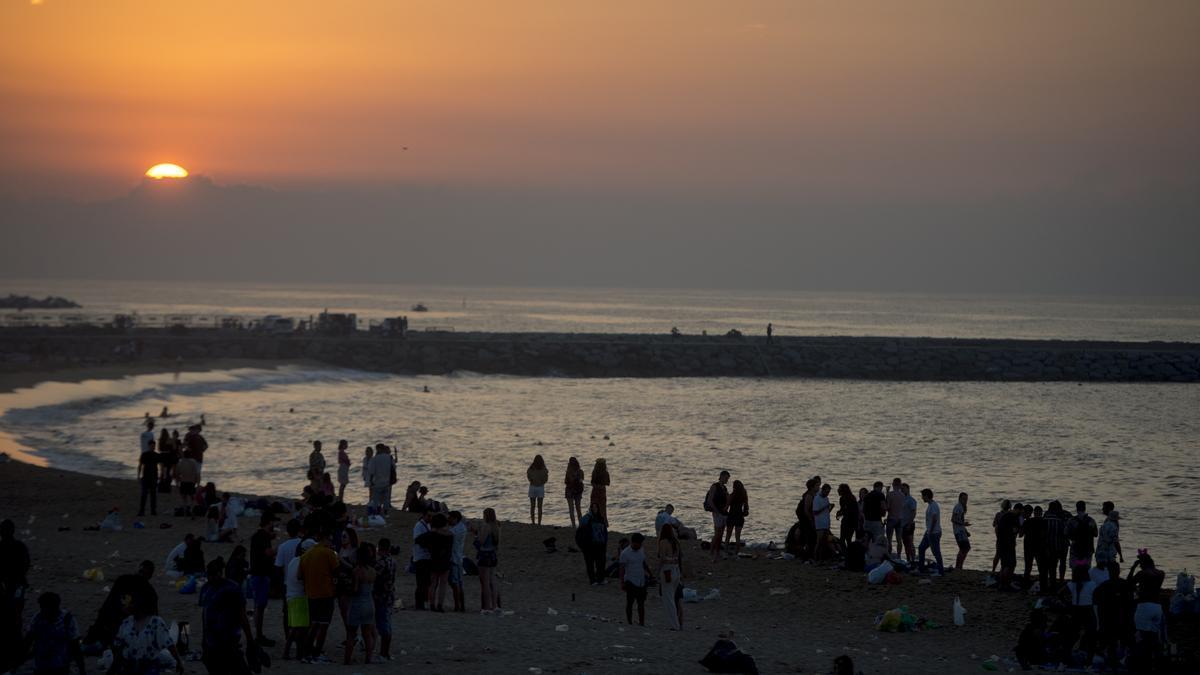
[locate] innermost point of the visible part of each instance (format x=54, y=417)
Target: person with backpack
x=717, y=503
x=1082, y=531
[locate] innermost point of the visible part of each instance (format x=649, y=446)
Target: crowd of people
x=324, y=572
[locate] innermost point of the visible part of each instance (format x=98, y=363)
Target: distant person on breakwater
x=600, y=483
x=717, y=503
x=574, y=490
x=343, y=460
x=538, y=475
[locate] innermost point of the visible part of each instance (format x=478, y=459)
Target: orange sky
x=914, y=99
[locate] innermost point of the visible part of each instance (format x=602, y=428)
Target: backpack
x=708, y=505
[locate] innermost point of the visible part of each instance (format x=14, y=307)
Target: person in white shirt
x=821, y=522
x=667, y=517
x=633, y=571
x=382, y=470
x=295, y=600
x=283, y=555
x=459, y=529
x=172, y=565
x=933, y=532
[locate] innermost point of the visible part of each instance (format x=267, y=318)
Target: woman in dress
x=538, y=475
x=739, y=508
x=343, y=460
x=141, y=637
x=487, y=543
x=361, y=614
x=368, y=454
x=574, y=483
x=847, y=513
x=669, y=570
x=343, y=577
x=600, y=483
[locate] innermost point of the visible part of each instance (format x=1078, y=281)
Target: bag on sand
x=725, y=657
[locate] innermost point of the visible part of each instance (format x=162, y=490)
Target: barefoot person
x=538, y=475
x=487, y=544
x=574, y=490
x=933, y=532
x=717, y=502
x=669, y=582
x=361, y=614
x=821, y=523
x=343, y=460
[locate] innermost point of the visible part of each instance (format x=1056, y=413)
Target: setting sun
x=160, y=171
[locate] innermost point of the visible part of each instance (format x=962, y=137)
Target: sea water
x=471, y=437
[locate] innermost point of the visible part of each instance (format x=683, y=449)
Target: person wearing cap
x=1108, y=543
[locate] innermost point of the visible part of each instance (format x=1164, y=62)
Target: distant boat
x=420, y=307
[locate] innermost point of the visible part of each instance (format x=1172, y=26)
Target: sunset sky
x=1045, y=108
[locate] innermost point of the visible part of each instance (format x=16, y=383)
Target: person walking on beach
x=873, y=508
x=592, y=538
x=487, y=544
x=1082, y=531
x=538, y=476
x=316, y=462
x=962, y=537
x=148, y=478
x=669, y=582
x=600, y=483
x=932, y=538
x=343, y=460
x=739, y=508
x=574, y=490
x=1108, y=544
x=847, y=513
x=717, y=502
x=633, y=572
x=223, y=623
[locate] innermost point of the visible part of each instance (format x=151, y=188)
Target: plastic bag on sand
x=111, y=522
x=376, y=521
x=690, y=595
x=105, y=661
x=189, y=586
x=561, y=628
x=94, y=574
x=890, y=622
x=714, y=594
x=960, y=612
x=879, y=574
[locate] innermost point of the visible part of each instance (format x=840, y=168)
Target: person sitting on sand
x=141, y=637
x=173, y=566
x=53, y=639
x=667, y=517
x=1031, y=645
x=114, y=609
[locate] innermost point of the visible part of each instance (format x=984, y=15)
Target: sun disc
x=160, y=171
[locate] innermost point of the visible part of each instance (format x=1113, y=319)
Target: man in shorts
x=316, y=571
x=187, y=472
x=717, y=501
x=633, y=572
x=874, y=506
x=296, y=603
x=459, y=529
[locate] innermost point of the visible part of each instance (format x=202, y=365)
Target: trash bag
x=960, y=612
x=891, y=621
x=879, y=574
x=189, y=586
x=725, y=657
x=690, y=595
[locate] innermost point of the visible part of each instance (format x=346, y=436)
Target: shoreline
x=763, y=602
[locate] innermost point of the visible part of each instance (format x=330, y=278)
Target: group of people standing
x=170, y=463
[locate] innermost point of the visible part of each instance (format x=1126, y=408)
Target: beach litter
x=726, y=657
x=93, y=574
x=960, y=612
x=779, y=591
x=561, y=628
x=900, y=620
x=551, y=611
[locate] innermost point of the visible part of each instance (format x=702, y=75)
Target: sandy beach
x=791, y=617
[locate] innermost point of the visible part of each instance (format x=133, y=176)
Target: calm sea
x=471, y=438
x=650, y=311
